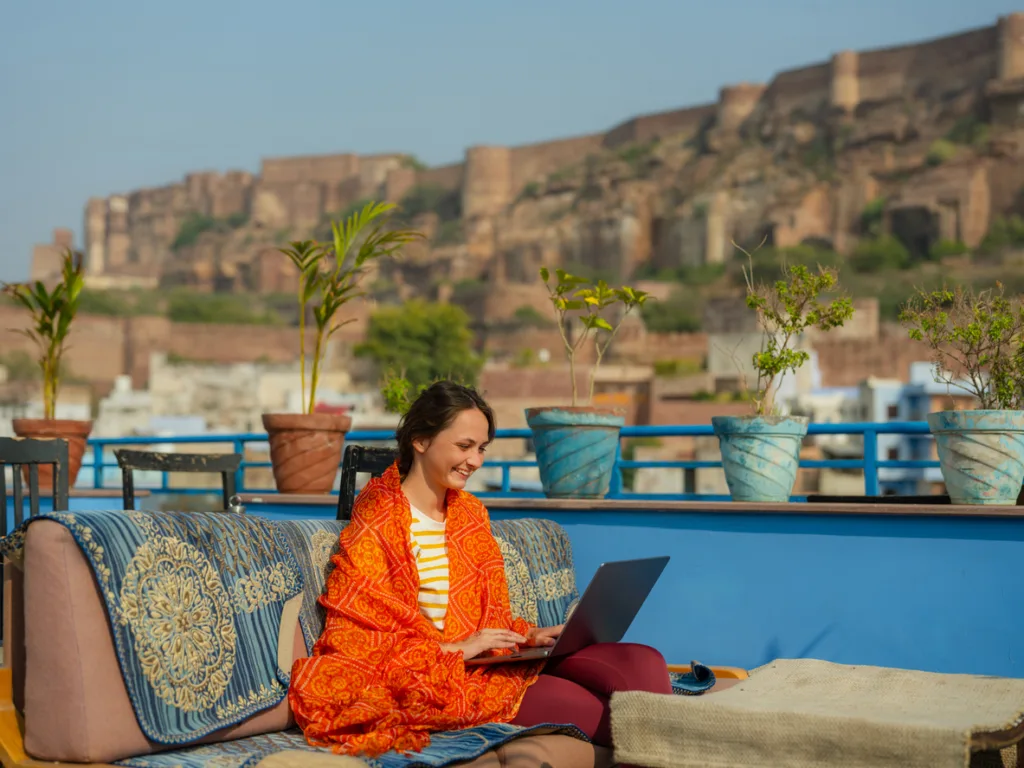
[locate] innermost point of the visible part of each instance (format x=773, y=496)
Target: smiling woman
x=419, y=588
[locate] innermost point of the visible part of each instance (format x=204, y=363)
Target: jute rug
x=805, y=713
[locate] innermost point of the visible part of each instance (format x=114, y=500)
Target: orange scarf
x=378, y=679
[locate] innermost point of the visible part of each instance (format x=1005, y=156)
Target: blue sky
x=108, y=96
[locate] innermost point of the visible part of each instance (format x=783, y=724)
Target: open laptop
x=608, y=606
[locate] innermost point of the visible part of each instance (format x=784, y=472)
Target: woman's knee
x=610, y=667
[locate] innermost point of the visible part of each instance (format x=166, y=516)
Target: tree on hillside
x=423, y=342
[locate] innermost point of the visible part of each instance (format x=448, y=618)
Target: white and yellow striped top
x=430, y=549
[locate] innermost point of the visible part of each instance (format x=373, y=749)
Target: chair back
x=360, y=459
x=226, y=464
x=23, y=454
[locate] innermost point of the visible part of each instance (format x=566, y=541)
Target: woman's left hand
x=543, y=635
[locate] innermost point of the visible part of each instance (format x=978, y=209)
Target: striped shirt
x=431, y=552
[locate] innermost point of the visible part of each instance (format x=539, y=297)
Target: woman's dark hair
x=433, y=412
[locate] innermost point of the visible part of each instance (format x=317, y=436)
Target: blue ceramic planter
x=981, y=454
x=576, y=449
x=760, y=455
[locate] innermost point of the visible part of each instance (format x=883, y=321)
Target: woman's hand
x=485, y=640
x=543, y=635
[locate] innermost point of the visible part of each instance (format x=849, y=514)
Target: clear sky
x=106, y=96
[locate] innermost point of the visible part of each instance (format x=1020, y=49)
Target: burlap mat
x=806, y=713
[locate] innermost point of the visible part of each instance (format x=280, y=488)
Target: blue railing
x=869, y=463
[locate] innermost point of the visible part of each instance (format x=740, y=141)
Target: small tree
x=330, y=275
x=784, y=311
x=571, y=293
x=976, y=335
x=52, y=314
x=424, y=341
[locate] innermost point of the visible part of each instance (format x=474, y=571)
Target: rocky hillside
x=887, y=162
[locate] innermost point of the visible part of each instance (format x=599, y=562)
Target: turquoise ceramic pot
x=760, y=455
x=576, y=449
x=981, y=454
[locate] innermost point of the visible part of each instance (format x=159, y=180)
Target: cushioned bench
x=70, y=701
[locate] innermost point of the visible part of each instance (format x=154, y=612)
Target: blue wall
x=930, y=593
x=934, y=593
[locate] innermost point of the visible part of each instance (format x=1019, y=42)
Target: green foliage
x=195, y=224
x=119, y=303
x=430, y=198
x=571, y=293
x=871, y=217
x=449, y=233
x=696, y=274
x=52, y=312
x=885, y=252
x=969, y=131
x=638, y=156
x=681, y=367
x=424, y=341
x=676, y=315
x=185, y=306
x=940, y=151
x=785, y=310
x=528, y=317
x=530, y=191
x=330, y=275
x=395, y=391
x=945, y=248
x=772, y=263
x=411, y=161
x=1004, y=232
x=978, y=333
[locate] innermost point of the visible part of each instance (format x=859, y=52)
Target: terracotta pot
x=305, y=449
x=74, y=431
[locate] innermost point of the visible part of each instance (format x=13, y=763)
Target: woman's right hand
x=485, y=640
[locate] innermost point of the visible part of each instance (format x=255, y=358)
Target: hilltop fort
x=921, y=142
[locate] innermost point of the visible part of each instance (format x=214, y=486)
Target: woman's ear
x=420, y=444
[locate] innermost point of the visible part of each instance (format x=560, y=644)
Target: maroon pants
x=577, y=689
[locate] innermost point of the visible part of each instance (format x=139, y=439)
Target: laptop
x=608, y=606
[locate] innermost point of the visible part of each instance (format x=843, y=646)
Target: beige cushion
x=76, y=704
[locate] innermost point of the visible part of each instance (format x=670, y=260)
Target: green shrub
x=944, y=248
x=882, y=253
x=940, y=151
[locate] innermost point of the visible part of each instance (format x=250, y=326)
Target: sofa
x=118, y=634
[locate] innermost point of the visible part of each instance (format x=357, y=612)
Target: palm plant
x=330, y=275
x=52, y=312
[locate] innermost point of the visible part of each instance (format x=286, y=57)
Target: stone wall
x=101, y=348
x=659, y=125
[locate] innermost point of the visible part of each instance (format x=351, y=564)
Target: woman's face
x=451, y=456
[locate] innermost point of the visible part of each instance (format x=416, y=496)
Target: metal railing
x=869, y=463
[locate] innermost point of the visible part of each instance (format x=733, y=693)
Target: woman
x=419, y=587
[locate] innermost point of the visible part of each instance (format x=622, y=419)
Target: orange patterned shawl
x=378, y=679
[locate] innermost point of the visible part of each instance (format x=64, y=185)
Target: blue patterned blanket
x=195, y=603
x=445, y=748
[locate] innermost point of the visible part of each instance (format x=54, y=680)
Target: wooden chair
x=359, y=458
x=226, y=464
x=16, y=453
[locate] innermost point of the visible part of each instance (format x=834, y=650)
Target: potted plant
x=53, y=312
x=305, y=447
x=577, y=445
x=976, y=341
x=761, y=452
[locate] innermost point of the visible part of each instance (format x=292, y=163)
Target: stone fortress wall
x=130, y=234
